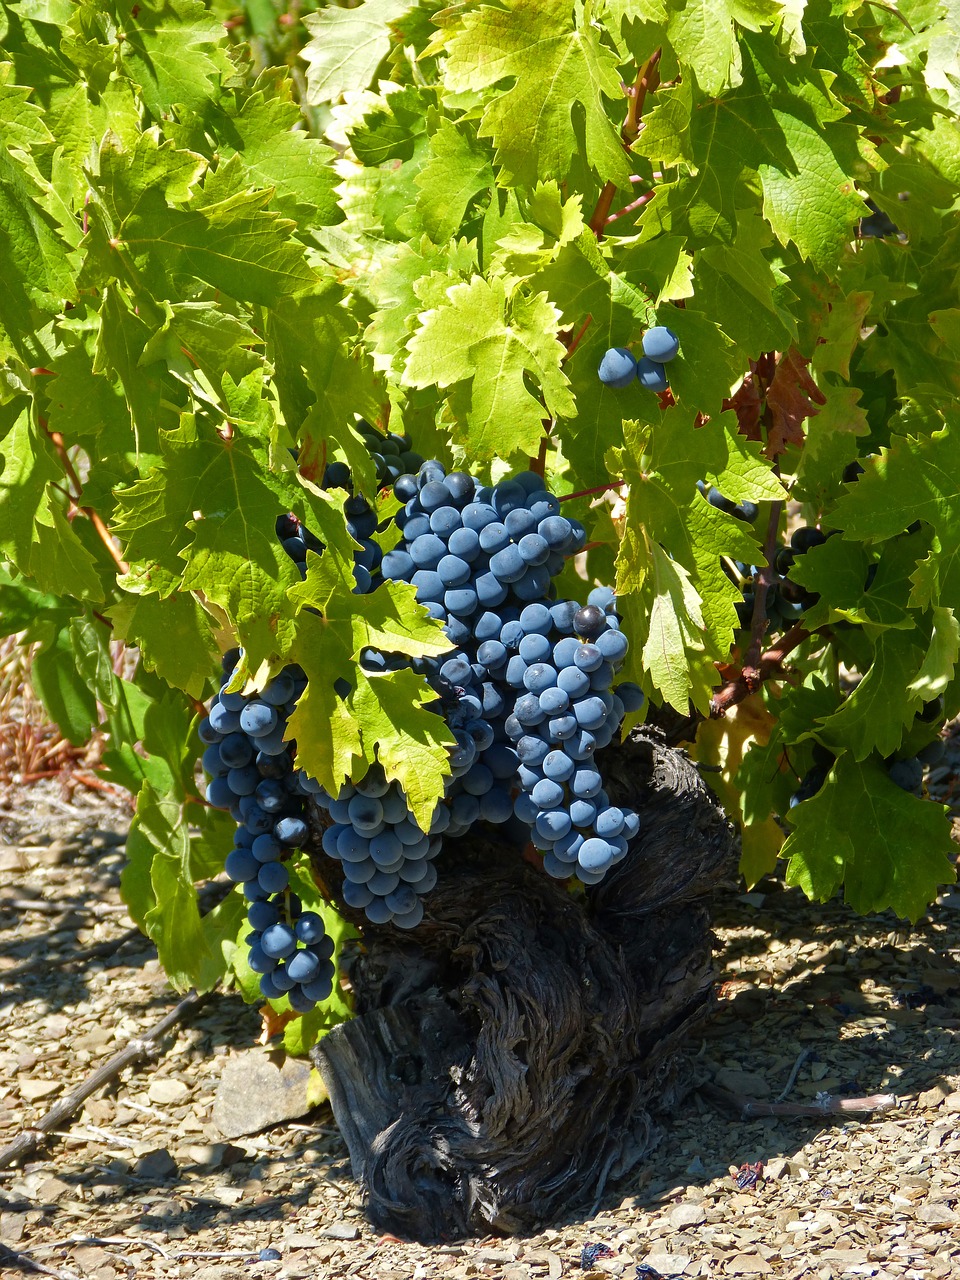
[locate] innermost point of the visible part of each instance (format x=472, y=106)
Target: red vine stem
x=770, y=664
x=578, y=339
x=629, y=208
x=585, y=493
x=102, y=531
x=647, y=80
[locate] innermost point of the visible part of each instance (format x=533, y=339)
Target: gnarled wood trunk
x=510, y=1054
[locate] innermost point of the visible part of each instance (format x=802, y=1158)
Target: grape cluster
x=252, y=775
x=566, y=711
x=525, y=668
x=619, y=366
x=786, y=600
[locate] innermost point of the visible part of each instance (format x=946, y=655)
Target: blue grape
x=273, y=877
x=547, y=794
x=562, y=727
x=222, y=721
x=557, y=766
x=219, y=793
x=631, y=695
x=651, y=375
x=533, y=548
x=573, y=682
x=660, y=344
x=554, y=701
x=304, y=966
x=586, y=783
x=587, y=657
x=266, y=849
x=278, y=941
x=356, y=895
x=553, y=823
x=508, y=565
x=258, y=718
x=241, y=865
x=535, y=647
x=613, y=645
x=464, y=543
x=617, y=368
x=538, y=677
x=453, y=571
x=291, y=831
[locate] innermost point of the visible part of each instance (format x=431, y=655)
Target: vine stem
x=578, y=339
x=102, y=531
x=758, y=623
x=770, y=664
x=629, y=208
x=647, y=80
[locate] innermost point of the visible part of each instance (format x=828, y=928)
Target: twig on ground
x=171, y=1255
x=792, y=1080
x=750, y=1108
x=76, y=957
x=29, y=1264
x=144, y=1046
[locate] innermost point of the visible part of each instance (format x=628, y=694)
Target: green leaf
x=332, y=733
x=886, y=847
x=174, y=635
x=348, y=46
x=173, y=50
x=158, y=888
x=491, y=339
x=458, y=169
x=876, y=713
x=559, y=67
x=915, y=479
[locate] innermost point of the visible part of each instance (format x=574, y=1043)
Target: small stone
x=929, y=1099
x=748, y=1264
x=256, y=1092
x=936, y=1214
x=952, y=1102
x=156, y=1165
x=340, y=1231
x=777, y=1168
x=208, y=1156
x=746, y=1083
x=34, y=1090
x=166, y=1090
x=52, y=1189
x=687, y=1215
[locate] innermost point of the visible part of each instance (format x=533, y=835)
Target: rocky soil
x=153, y=1178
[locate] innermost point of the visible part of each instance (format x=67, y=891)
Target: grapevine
x=388, y=431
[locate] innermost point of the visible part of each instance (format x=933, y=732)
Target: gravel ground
x=142, y=1184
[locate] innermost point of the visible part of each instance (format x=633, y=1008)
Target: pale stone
x=255, y=1093
x=166, y=1090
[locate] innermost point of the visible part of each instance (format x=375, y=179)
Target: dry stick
x=29, y=1264
x=801, y=1059
x=102, y=531
x=758, y=624
x=142, y=1047
x=88, y=953
x=749, y=1108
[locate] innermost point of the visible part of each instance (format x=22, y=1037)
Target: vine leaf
x=791, y=397
x=492, y=339
x=347, y=46
x=887, y=847
x=337, y=738
x=559, y=67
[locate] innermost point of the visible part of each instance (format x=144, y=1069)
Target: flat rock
x=687, y=1215
x=938, y=1215
x=340, y=1231
x=34, y=1090
x=746, y=1083
x=166, y=1090
x=748, y=1264
x=255, y=1093
x=156, y=1165
x=952, y=1102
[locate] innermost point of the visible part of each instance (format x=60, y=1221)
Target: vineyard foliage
x=225, y=236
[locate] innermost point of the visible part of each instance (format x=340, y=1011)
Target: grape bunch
x=252, y=776
x=619, y=367
x=566, y=711
x=481, y=560
x=746, y=511
x=527, y=686
x=786, y=600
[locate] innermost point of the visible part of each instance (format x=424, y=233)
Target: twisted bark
x=510, y=1055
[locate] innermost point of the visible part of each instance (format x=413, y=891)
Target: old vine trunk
x=510, y=1055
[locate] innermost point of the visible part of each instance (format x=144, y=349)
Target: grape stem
x=102, y=531
x=770, y=664
x=647, y=80
x=585, y=493
x=758, y=623
x=634, y=204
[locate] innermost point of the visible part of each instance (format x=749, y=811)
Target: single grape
x=660, y=344
x=651, y=375
x=278, y=941
x=618, y=367
x=258, y=718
